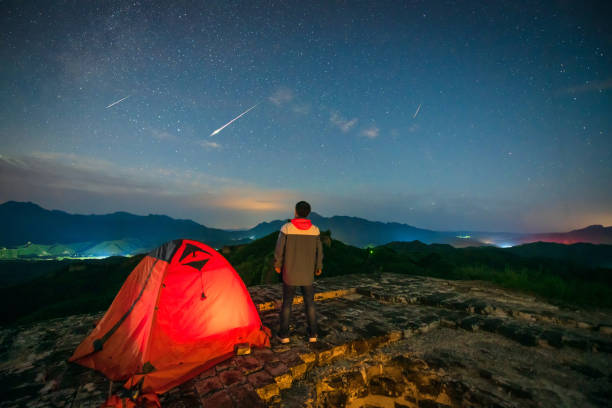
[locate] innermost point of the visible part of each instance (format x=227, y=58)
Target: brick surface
x=260, y=379
x=208, y=385
x=249, y=364
x=460, y=328
x=264, y=355
x=224, y=365
x=232, y=376
x=246, y=396
x=208, y=373
x=219, y=399
x=276, y=368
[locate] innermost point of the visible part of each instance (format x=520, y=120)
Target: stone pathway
x=385, y=341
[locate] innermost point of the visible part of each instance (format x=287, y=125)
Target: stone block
x=375, y=329
x=588, y=371
x=242, y=349
x=359, y=347
x=491, y=324
x=231, y=377
x=515, y=390
x=396, y=335
x=224, y=365
x=220, y=399
x=448, y=323
x=553, y=338
x=327, y=356
x=410, y=365
x=523, y=314
x=246, y=396
x=410, y=331
x=482, y=308
x=264, y=355
x=602, y=346
x=299, y=370
x=508, y=329
x=436, y=299
x=471, y=323
x=319, y=346
x=260, y=379
x=605, y=329
x=249, y=364
x=308, y=358
x=526, y=337
x=427, y=403
x=428, y=322
x=355, y=384
x=364, y=292
x=289, y=358
x=430, y=387
x=584, y=325
x=334, y=399
x=380, y=385
x=208, y=373
x=284, y=381
x=578, y=342
x=208, y=385
x=268, y=392
x=276, y=368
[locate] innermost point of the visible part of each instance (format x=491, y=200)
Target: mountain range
x=29, y=230
x=31, y=291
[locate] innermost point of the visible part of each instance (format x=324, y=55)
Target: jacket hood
x=301, y=223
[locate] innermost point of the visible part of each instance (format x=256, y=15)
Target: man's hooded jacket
x=298, y=252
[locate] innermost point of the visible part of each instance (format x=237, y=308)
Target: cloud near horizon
x=91, y=185
x=87, y=185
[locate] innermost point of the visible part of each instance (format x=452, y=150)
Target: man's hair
x=302, y=209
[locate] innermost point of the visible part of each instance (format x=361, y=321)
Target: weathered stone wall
x=385, y=341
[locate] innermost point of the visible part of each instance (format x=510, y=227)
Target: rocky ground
x=385, y=341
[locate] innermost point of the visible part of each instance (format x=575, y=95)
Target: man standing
x=299, y=256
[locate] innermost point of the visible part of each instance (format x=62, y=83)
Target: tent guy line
x=236, y=118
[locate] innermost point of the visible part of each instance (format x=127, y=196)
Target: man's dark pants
x=309, y=309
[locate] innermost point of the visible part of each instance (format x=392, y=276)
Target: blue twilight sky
x=473, y=115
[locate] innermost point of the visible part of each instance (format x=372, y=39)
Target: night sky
x=450, y=115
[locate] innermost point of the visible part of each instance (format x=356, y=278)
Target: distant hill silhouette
x=56, y=232
x=361, y=232
x=28, y=222
x=594, y=234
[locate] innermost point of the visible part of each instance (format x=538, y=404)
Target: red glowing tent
x=181, y=311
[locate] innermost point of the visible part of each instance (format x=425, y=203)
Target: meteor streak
x=417, y=111
x=236, y=118
x=116, y=102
